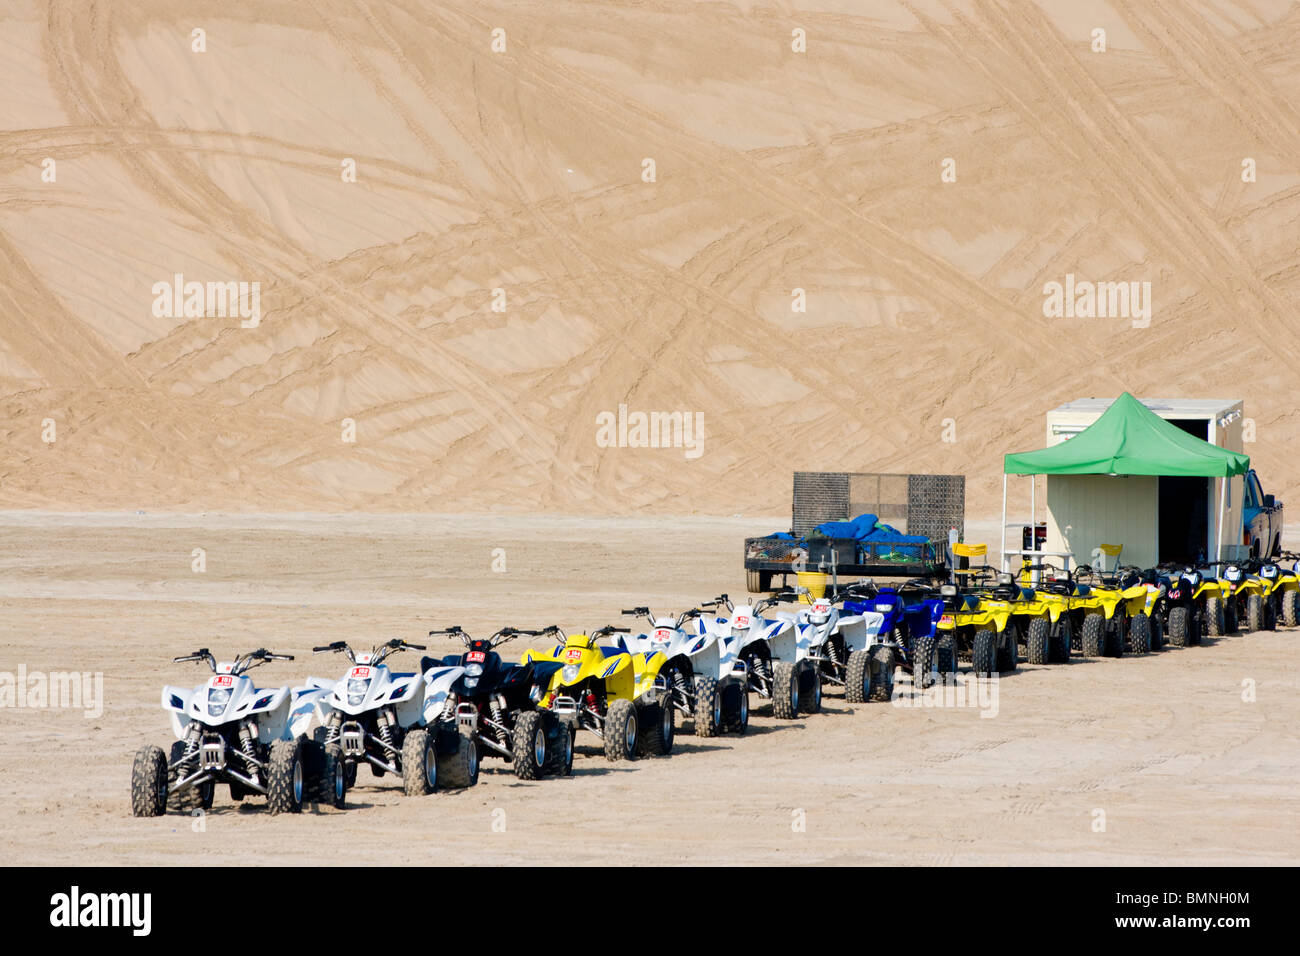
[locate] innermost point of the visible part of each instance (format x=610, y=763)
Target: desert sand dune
x=521, y=171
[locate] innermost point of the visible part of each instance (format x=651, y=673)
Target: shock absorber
x=384, y=720
x=334, y=728
x=499, y=715
x=679, y=681
x=248, y=743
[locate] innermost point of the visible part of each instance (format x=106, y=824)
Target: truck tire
x=419, y=763
x=1291, y=608
x=785, y=691
x=1215, y=618
x=1180, y=626
x=984, y=652
x=621, y=732
x=1254, y=612
x=883, y=666
x=459, y=769
x=758, y=582
x=857, y=677
x=529, y=747
x=286, y=778
x=1038, y=640
x=1092, y=641
x=708, y=707
x=149, y=782
x=1139, y=634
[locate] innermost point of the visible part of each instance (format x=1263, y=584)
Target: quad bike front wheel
x=286, y=783
x=882, y=678
x=1180, y=626
x=857, y=676
x=528, y=746
x=924, y=662
x=1254, y=612
x=194, y=798
x=1216, y=621
x=327, y=772
x=149, y=782
x=1291, y=608
x=785, y=691
x=810, y=700
x=1009, y=650
x=419, y=763
x=1139, y=634
x=1062, y=640
x=1038, y=640
x=621, y=732
x=1092, y=641
x=984, y=652
x=708, y=707
x=738, y=722
x=560, y=759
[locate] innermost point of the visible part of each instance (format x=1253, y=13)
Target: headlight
x=569, y=673
x=217, y=701
x=474, y=670
x=357, y=692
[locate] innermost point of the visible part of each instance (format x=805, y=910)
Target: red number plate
x=475, y=657
x=573, y=656
x=742, y=620
x=223, y=681
x=663, y=635
x=360, y=672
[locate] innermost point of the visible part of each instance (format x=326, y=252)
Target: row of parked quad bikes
x=428, y=728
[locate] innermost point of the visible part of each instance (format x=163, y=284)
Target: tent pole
x=1218, y=528
x=1002, y=538
x=1033, y=512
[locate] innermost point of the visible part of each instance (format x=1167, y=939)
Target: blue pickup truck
x=1261, y=520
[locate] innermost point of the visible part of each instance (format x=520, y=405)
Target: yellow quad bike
x=1246, y=602
x=1117, y=610
x=982, y=617
x=1285, y=589
x=1057, y=613
x=618, y=696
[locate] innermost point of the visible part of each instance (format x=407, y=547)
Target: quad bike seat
x=1082, y=590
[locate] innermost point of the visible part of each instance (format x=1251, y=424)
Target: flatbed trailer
x=919, y=505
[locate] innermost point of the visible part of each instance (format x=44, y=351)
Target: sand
x=521, y=171
x=1183, y=769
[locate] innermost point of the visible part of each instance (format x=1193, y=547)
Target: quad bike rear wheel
x=1092, y=641
x=1139, y=634
x=1038, y=641
x=149, y=782
x=528, y=746
x=419, y=763
x=459, y=769
x=286, y=783
x=785, y=691
x=984, y=652
x=708, y=707
x=621, y=732
x=857, y=677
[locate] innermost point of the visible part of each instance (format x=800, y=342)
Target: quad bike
x=1056, y=612
x=398, y=723
x=845, y=649
x=495, y=704
x=911, y=615
x=769, y=649
x=706, y=681
x=1113, y=602
x=1181, y=611
x=1285, y=590
x=622, y=698
x=1246, y=600
x=984, y=619
x=249, y=738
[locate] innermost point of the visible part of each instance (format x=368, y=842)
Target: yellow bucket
x=815, y=582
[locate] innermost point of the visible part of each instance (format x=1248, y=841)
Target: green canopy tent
x=1130, y=439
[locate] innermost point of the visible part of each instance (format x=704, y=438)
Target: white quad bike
x=769, y=649
x=844, y=650
x=706, y=678
x=228, y=731
x=397, y=723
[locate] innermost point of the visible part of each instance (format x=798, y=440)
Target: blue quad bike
x=912, y=611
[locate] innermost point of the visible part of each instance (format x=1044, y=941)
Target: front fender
x=437, y=682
